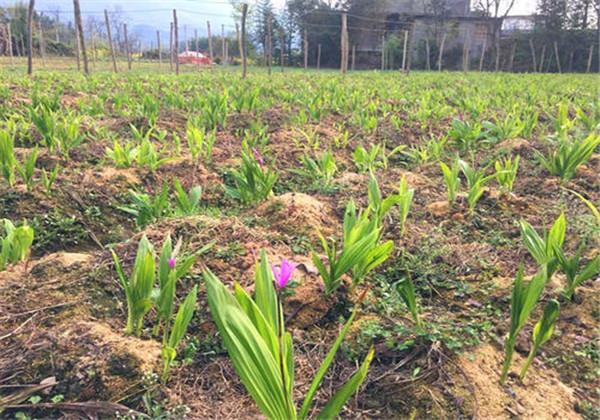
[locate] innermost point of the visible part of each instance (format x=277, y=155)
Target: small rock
x=439, y=208
x=520, y=409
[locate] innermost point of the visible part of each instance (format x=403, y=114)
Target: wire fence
x=404, y=42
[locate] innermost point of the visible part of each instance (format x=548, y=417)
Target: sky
x=191, y=13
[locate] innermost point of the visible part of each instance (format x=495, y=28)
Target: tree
x=498, y=10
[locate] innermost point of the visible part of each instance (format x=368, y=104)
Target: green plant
x=593, y=209
x=253, y=181
x=122, y=155
x=406, y=196
x=187, y=203
x=406, y=290
x=148, y=157
x=368, y=160
x=543, y=249
x=7, y=156
x=46, y=122
x=568, y=156
x=147, y=208
x=26, y=169
x=465, y=134
x=570, y=267
x=476, y=181
x=68, y=134
x=199, y=142
x=542, y=332
x=48, y=179
x=523, y=300
x=261, y=350
x=319, y=170
x=15, y=246
x=360, y=252
x=506, y=172
x=138, y=286
x=451, y=179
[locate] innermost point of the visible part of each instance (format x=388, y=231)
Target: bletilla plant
x=476, y=181
x=543, y=250
x=199, y=142
x=542, y=332
x=406, y=290
x=451, y=179
x=360, y=253
x=261, y=350
x=381, y=206
x=254, y=181
x=15, y=246
x=122, y=155
x=564, y=160
x=465, y=134
x=571, y=268
x=523, y=300
x=506, y=172
x=27, y=168
x=187, y=203
x=7, y=156
x=48, y=178
x=147, y=208
x=320, y=169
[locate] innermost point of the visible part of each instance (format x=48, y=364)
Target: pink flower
x=258, y=157
x=283, y=273
x=171, y=263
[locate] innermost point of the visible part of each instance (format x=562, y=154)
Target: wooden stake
x=353, y=56
x=571, y=54
x=159, y=50
x=269, y=43
x=411, y=35
x=589, y=60
x=404, y=50
x=281, y=49
x=383, y=51
x=80, y=33
x=466, y=51
x=533, y=57
x=210, y=46
x=185, y=39
x=243, y=40
x=171, y=47
x=110, y=43
x=557, y=57
x=511, y=60
x=41, y=41
x=427, y=54
x=197, y=46
x=305, y=49
x=30, y=37
x=318, y=56
x=94, y=52
x=77, y=48
x=441, y=54
x=10, y=46
x=223, y=42
x=127, y=51
x=176, y=41
x=542, y=58
x=482, y=56
x=344, y=39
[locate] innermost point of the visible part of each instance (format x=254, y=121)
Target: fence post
x=94, y=52
x=110, y=43
x=511, y=61
x=557, y=57
x=10, y=46
x=269, y=43
x=243, y=40
x=533, y=58
x=159, y=50
x=80, y=34
x=353, y=56
x=542, y=58
x=210, y=49
x=223, y=42
x=197, y=46
x=589, y=60
x=411, y=34
x=318, y=56
x=571, y=54
x=41, y=41
x=30, y=37
x=176, y=41
x=404, y=50
x=441, y=54
x=185, y=39
x=281, y=47
x=127, y=51
x=77, y=48
x=344, y=39
x=467, y=51
x=482, y=56
x=171, y=47
x=427, y=53
x=383, y=51
x=305, y=49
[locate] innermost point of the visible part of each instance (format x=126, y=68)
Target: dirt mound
x=298, y=214
x=541, y=396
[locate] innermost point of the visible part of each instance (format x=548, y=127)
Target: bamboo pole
x=305, y=43
x=197, y=47
x=94, y=52
x=77, y=48
x=383, y=51
x=10, y=46
x=269, y=43
x=223, y=42
x=176, y=41
x=281, y=49
x=171, y=47
x=533, y=57
x=557, y=57
x=127, y=50
x=318, y=56
x=511, y=61
x=353, y=56
x=41, y=42
x=589, y=60
x=482, y=56
x=427, y=54
x=243, y=41
x=542, y=58
x=441, y=54
x=79, y=24
x=210, y=45
x=159, y=50
x=411, y=35
x=30, y=37
x=344, y=39
x=404, y=50
x=110, y=43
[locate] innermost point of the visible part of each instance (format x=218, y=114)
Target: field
x=114, y=159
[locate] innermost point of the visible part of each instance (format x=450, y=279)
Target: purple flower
x=258, y=157
x=283, y=273
x=171, y=263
